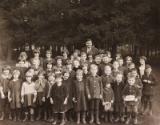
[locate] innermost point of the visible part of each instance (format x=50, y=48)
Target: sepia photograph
x=79, y=62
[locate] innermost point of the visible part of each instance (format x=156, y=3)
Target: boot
x=32, y=118
x=135, y=122
x=10, y=116
x=55, y=119
x=45, y=116
x=25, y=118
x=15, y=118
x=106, y=117
x=39, y=116
x=63, y=119
x=128, y=119
x=18, y=116
x=78, y=118
x=2, y=116
x=97, y=118
x=84, y=118
x=92, y=117
x=110, y=117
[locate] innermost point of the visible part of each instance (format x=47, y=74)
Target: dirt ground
x=143, y=120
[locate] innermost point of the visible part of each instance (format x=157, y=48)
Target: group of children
x=81, y=87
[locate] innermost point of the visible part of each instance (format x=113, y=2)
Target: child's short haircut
x=93, y=66
x=119, y=74
x=107, y=66
x=6, y=67
x=16, y=71
x=79, y=71
x=83, y=53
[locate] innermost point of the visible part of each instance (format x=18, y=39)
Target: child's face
x=66, y=76
x=48, y=55
x=76, y=63
x=116, y=65
x=98, y=60
x=79, y=76
x=142, y=61
x=131, y=66
x=83, y=56
x=36, y=62
x=94, y=70
x=106, y=59
x=148, y=70
x=90, y=57
x=36, y=54
x=128, y=61
x=131, y=81
x=120, y=61
x=119, y=78
x=118, y=56
x=75, y=54
x=6, y=72
x=65, y=54
x=51, y=79
x=28, y=78
x=16, y=75
x=59, y=61
x=49, y=66
x=107, y=70
x=134, y=73
x=85, y=68
x=69, y=67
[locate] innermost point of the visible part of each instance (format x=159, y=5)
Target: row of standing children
x=92, y=88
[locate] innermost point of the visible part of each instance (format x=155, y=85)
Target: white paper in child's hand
x=129, y=98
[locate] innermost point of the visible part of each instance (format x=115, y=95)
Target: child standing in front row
x=94, y=92
x=4, y=81
x=118, y=87
x=80, y=97
x=40, y=84
x=28, y=97
x=14, y=95
x=59, y=99
x=48, y=114
x=131, y=96
x=108, y=95
x=149, y=83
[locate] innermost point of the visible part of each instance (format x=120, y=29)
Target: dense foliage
x=108, y=22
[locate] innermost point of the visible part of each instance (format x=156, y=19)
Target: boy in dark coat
x=48, y=115
x=118, y=87
x=40, y=84
x=94, y=91
x=67, y=81
x=149, y=82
